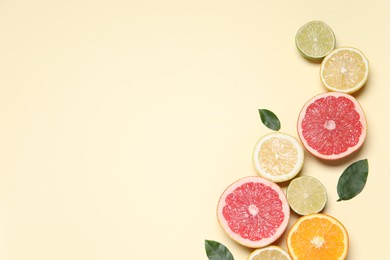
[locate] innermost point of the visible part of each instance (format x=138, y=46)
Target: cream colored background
x=123, y=121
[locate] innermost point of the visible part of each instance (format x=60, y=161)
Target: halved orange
x=317, y=237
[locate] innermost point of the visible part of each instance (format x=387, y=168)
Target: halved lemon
x=278, y=157
x=344, y=70
x=315, y=40
x=306, y=195
x=269, y=253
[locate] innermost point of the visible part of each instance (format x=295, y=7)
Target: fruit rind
x=236, y=237
x=350, y=150
x=350, y=90
x=300, y=157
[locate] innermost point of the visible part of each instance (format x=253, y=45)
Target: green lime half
x=306, y=195
x=315, y=40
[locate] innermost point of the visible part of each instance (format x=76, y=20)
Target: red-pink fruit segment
x=253, y=211
x=332, y=125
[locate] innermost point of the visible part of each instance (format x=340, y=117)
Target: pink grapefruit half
x=332, y=125
x=253, y=211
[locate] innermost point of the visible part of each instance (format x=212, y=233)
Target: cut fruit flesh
x=344, y=70
x=317, y=237
x=278, y=157
x=332, y=125
x=269, y=253
x=253, y=211
x=306, y=195
x=315, y=40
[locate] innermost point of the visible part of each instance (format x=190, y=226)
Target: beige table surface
x=123, y=121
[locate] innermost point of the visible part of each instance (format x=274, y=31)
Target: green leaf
x=353, y=180
x=269, y=119
x=217, y=251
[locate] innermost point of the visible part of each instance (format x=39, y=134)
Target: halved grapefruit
x=253, y=211
x=332, y=125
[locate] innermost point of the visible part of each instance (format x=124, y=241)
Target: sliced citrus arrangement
x=332, y=125
x=253, y=211
x=278, y=157
x=315, y=40
x=344, y=70
x=269, y=253
x=317, y=237
x=306, y=195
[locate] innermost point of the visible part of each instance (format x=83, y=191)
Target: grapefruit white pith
x=253, y=211
x=332, y=125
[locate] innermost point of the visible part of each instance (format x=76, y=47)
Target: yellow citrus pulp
x=344, y=70
x=278, y=157
x=269, y=253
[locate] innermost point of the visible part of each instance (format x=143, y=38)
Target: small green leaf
x=217, y=251
x=353, y=180
x=269, y=119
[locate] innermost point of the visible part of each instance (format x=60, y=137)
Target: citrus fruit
x=344, y=70
x=253, y=211
x=269, y=253
x=315, y=40
x=306, y=195
x=332, y=125
x=317, y=237
x=278, y=157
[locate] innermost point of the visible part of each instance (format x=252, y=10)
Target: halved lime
x=315, y=40
x=306, y=195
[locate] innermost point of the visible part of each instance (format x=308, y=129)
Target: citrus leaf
x=353, y=180
x=217, y=251
x=269, y=119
